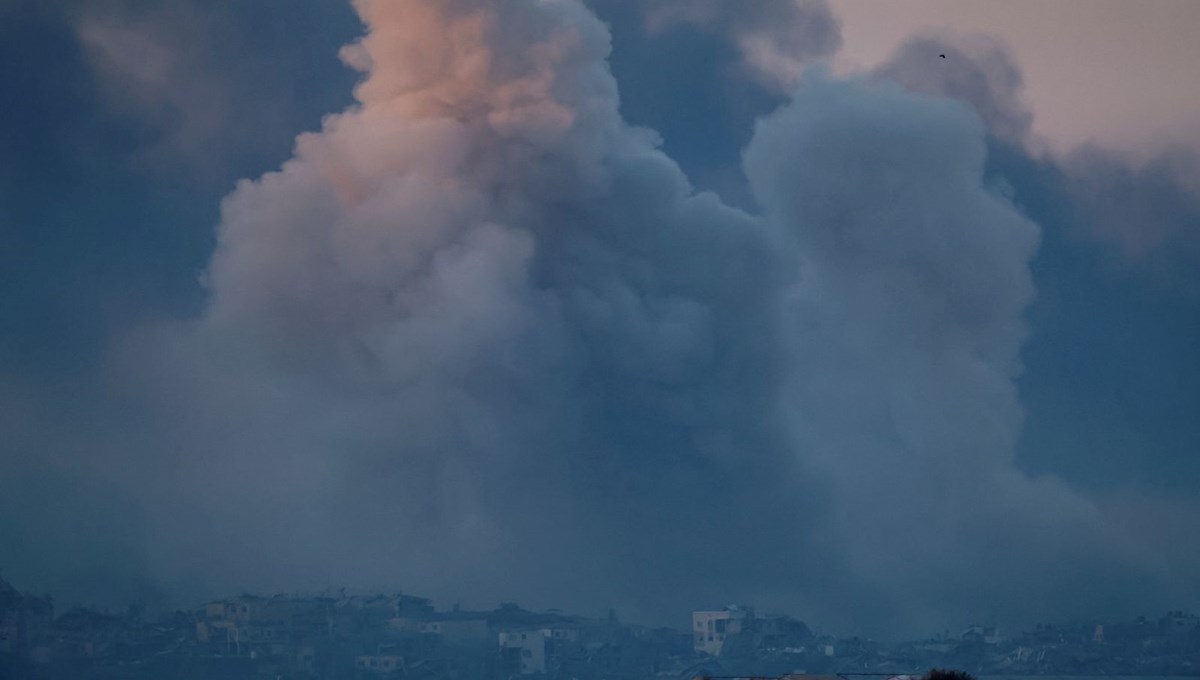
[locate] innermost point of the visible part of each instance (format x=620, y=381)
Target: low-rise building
x=458, y=627
x=524, y=651
x=379, y=663
x=711, y=628
x=988, y=635
x=24, y=620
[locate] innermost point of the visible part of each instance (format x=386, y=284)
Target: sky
x=1091, y=68
x=651, y=306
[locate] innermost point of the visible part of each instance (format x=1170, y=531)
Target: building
x=988, y=635
x=711, y=628
x=1178, y=623
x=524, y=651
x=458, y=627
x=379, y=663
x=24, y=620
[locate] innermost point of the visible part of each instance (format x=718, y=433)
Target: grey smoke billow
x=775, y=38
x=978, y=69
x=907, y=324
x=520, y=333
x=212, y=85
x=480, y=338
x=700, y=72
x=1146, y=210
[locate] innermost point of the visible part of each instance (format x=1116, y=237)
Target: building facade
x=711, y=628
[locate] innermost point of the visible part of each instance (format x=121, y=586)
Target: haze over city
x=630, y=305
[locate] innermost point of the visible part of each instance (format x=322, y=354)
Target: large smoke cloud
x=976, y=69
x=706, y=70
x=215, y=87
x=775, y=38
x=519, y=332
x=481, y=338
x=1146, y=210
x=908, y=322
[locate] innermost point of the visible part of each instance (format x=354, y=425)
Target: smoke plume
x=481, y=338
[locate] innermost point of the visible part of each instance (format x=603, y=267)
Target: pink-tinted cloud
x=1107, y=72
x=479, y=328
x=1146, y=207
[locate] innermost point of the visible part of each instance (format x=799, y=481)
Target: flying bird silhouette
x=942, y=56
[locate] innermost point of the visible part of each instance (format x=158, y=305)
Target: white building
x=709, y=629
x=529, y=646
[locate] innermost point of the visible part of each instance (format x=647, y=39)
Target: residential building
x=379, y=663
x=711, y=628
x=524, y=651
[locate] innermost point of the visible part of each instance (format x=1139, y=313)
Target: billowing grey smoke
x=906, y=326
x=774, y=37
x=977, y=69
x=706, y=70
x=480, y=338
x=206, y=80
x=1148, y=211
x=508, y=331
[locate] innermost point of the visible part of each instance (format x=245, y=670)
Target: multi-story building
x=524, y=650
x=379, y=663
x=711, y=628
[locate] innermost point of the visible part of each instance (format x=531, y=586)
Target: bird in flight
x=942, y=56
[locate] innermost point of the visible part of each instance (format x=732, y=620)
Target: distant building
x=86, y=634
x=24, y=620
x=1177, y=622
x=988, y=635
x=460, y=627
x=256, y=626
x=562, y=633
x=405, y=625
x=524, y=651
x=379, y=663
x=711, y=628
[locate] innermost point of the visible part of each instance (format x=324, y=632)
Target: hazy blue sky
x=656, y=305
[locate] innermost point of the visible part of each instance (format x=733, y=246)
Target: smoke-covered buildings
x=335, y=636
x=24, y=619
x=710, y=628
